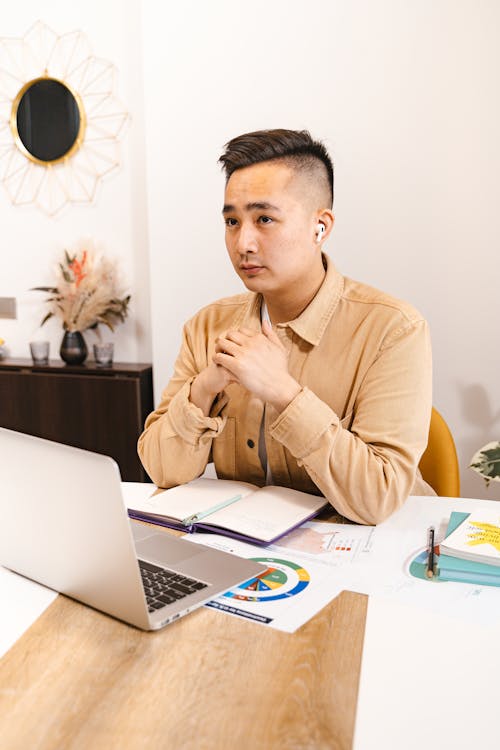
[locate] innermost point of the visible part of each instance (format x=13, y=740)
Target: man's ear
x=324, y=224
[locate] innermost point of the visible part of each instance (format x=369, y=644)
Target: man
x=309, y=380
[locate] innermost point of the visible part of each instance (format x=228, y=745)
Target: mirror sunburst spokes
x=65, y=65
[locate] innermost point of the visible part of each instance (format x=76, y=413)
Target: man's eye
x=265, y=220
x=229, y=222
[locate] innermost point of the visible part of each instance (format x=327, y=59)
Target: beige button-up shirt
x=355, y=432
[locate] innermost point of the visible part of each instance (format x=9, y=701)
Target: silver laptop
x=63, y=523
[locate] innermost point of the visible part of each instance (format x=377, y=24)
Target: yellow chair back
x=439, y=463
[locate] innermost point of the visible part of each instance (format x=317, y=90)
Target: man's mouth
x=250, y=269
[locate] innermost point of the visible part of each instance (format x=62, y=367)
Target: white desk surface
x=426, y=680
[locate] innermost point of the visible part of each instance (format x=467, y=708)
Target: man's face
x=270, y=228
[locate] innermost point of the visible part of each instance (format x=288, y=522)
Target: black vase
x=73, y=349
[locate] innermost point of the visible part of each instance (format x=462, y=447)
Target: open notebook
x=237, y=509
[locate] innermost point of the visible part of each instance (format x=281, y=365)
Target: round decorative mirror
x=47, y=120
x=60, y=120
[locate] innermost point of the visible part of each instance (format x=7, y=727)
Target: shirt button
x=250, y=443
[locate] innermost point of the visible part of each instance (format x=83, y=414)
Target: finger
x=227, y=361
x=268, y=331
x=221, y=368
x=226, y=346
x=219, y=344
x=240, y=336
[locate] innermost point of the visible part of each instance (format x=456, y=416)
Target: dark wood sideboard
x=99, y=409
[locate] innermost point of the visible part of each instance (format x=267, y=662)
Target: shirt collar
x=311, y=323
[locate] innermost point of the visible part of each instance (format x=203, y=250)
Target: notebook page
x=194, y=497
x=268, y=512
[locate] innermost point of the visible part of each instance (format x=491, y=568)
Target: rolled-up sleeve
x=366, y=464
x=175, y=445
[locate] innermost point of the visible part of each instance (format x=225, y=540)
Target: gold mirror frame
x=75, y=177
x=15, y=130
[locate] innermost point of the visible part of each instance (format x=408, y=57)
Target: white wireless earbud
x=320, y=230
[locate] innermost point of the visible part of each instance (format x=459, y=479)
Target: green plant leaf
x=486, y=462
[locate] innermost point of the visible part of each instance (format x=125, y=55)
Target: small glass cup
x=103, y=354
x=40, y=352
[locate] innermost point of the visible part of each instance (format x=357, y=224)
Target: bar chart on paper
x=335, y=545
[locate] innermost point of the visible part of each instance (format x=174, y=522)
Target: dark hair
x=295, y=147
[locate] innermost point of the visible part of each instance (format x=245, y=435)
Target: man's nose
x=247, y=240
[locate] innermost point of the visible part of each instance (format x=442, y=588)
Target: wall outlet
x=8, y=307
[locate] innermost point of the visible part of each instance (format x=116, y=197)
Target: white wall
x=406, y=95
x=31, y=242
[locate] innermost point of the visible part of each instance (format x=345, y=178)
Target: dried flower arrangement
x=87, y=293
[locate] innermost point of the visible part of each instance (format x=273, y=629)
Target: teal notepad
x=466, y=571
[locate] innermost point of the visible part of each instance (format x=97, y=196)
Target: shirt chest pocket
x=224, y=451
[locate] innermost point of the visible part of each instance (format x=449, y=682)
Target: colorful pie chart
x=281, y=580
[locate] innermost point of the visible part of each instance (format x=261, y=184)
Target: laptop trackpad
x=166, y=550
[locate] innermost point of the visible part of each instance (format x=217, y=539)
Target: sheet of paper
x=427, y=681
x=333, y=544
x=394, y=573
x=135, y=494
x=22, y=602
x=285, y=596
x=383, y=561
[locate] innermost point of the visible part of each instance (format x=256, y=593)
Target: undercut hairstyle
x=295, y=148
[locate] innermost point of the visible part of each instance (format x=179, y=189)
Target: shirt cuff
x=188, y=420
x=299, y=427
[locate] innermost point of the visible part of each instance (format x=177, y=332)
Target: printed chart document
x=285, y=596
x=397, y=564
x=333, y=544
x=237, y=509
x=389, y=560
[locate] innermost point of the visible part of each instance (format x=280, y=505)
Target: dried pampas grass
x=87, y=293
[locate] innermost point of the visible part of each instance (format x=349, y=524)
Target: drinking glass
x=40, y=352
x=103, y=354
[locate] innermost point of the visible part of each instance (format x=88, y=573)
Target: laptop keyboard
x=164, y=586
